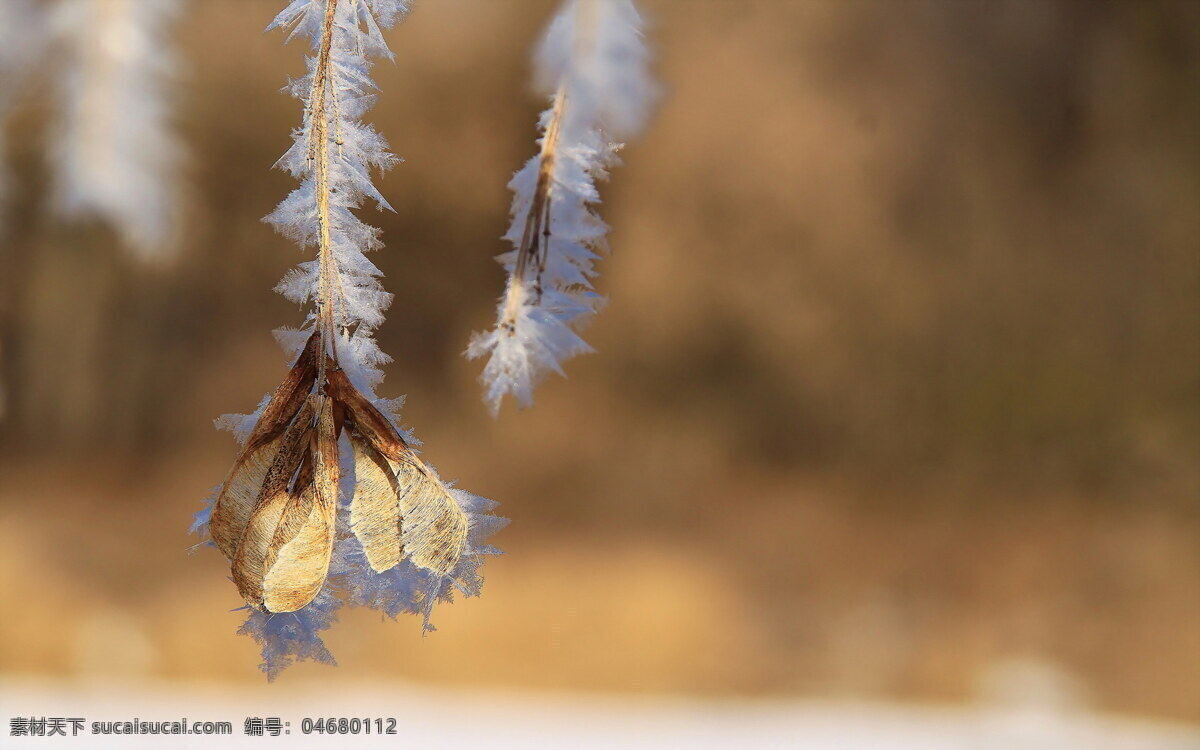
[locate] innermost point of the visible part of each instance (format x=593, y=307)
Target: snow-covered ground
x=435, y=718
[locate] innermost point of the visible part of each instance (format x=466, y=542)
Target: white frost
x=115, y=151
x=355, y=149
x=592, y=62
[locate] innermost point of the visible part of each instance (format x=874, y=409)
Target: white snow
x=438, y=718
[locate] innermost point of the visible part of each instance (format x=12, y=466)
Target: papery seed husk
x=288, y=397
x=375, y=507
x=295, y=513
x=239, y=493
x=299, y=505
x=248, y=561
x=304, y=476
x=368, y=420
x=233, y=506
x=433, y=526
x=291, y=521
x=298, y=563
x=326, y=470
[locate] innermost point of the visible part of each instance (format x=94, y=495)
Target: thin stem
x=535, y=239
x=318, y=145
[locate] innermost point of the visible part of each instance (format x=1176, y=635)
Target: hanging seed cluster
x=275, y=516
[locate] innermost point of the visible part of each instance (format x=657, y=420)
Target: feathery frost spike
x=592, y=62
x=116, y=153
x=333, y=154
x=328, y=502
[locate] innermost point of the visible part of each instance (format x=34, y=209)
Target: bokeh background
x=897, y=394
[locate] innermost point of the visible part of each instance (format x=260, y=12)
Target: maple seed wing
x=248, y=564
x=369, y=421
x=233, y=506
x=239, y=493
x=434, y=527
x=288, y=397
x=375, y=507
x=300, y=564
x=295, y=516
x=272, y=500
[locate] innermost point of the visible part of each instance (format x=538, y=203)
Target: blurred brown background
x=899, y=380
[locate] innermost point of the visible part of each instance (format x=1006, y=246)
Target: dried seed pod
x=366, y=419
x=295, y=514
x=233, y=506
x=273, y=497
x=297, y=561
x=288, y=397
x=375, y=507
x=239, y=493
x=433, y=526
